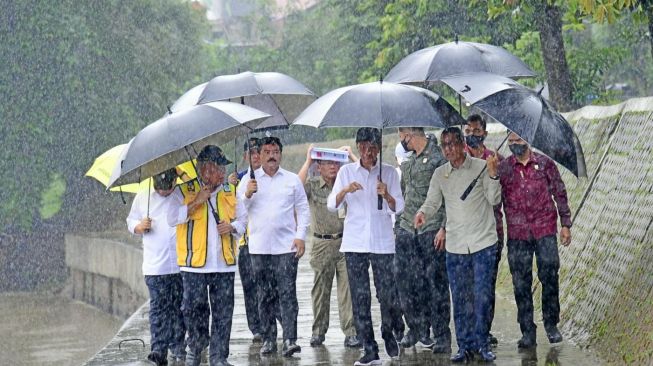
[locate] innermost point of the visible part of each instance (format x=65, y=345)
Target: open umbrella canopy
x=277, y=94
x=437, y=62
x=525, y=112
x=188, y=99
x=104, y=165
x=380, y=105
x=168, y=142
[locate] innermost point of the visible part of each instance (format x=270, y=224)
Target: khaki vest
x=192, y=235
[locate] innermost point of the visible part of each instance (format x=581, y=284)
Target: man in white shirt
x=368, y=239
x=279, y=216
x=207, y=222
x=148, y=219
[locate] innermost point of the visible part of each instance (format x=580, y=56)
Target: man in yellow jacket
x=208, y=223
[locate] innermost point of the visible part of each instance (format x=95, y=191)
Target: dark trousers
x=494, y=284
x=520, y=259
x=202, y=290
x=249, y=289
x=470, y=277
x=384, y=282
x=276, y=277
x=421, y=273
x=166, y=319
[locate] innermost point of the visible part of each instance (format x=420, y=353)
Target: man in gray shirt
x=471, y=239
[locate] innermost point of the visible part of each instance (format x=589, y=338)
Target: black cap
x=165, y=180
x=213, y=154
x=370, y=134
x=252, y=143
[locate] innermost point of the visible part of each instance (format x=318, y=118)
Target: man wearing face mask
x=475, y=134
x=421, y=268
x=533, y=197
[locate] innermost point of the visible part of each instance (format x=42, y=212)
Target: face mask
x=517, y=149
x=404, y=144
x=474, y=141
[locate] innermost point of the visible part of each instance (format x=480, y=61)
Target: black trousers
x=361, y=297
x=494, y=282
x=276, y=277
x=249, y=289
x=423, y=284
x=195, y=306
x=166, y=319
x=520, y=259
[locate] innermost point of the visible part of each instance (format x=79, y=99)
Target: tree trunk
x=553, y=52
x=649, y=14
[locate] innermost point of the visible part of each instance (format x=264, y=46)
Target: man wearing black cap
x=148, y=219
x=368, y=239
x=207, y=220
x=279, y=216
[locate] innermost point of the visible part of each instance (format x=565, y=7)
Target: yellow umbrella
x=103, y=167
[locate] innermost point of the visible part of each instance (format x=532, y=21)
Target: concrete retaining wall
x=106, y=273
x=607, y=273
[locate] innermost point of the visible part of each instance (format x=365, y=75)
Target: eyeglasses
x=367, y=146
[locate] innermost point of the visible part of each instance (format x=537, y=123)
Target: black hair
x=455, y=131
x=270, y=140
x=252, y=143
x=477, y=118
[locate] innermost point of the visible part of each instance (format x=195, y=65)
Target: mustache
x=272, y=159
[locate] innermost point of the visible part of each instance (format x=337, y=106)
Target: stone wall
x=106, y=273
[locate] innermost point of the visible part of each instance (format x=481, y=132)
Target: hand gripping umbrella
x=379, y=105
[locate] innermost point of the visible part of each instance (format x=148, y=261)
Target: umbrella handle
x=471, y=186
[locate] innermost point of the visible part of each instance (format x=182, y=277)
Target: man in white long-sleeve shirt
x=276, y=242
x=368, y=239
x=148, y=218
x=208, y=219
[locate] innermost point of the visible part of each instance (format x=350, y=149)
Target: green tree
x=78, y=78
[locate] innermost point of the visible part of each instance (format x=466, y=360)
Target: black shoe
x=290, y=348
x=158, y=359
x=462, y=356
x=442, y=345
x=553, y=334
x=268, y=347
x=492, y=340
x=426, y=342
x=409, y=340
x=257, y=338
x=369, y=359
x=486, y=355
x=317, y=340
x=352, y=342
x=392, y=348
x=526, y=342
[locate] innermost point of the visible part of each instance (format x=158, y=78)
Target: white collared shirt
x=367, y=229
x=271, y=212
x=178, y=214
x=160, y=244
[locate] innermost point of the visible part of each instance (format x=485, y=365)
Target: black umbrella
x=434, y=63
x=379, y=105
x=277, y=94
x=188, y=99
x=525, y=112
x=437, y=62
x=165, y=143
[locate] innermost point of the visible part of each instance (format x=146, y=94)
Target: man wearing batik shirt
x=533, y=197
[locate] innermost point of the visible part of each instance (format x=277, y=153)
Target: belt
x=328, y=236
